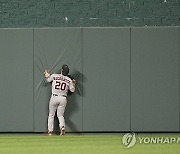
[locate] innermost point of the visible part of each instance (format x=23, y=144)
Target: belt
x=58, y=95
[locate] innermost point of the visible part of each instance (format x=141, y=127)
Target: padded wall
x=128, y=78
x=155, y=79
x=106, y=65
x=52, y=49
x=16, y=80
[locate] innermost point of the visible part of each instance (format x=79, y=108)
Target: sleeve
x=50, y=79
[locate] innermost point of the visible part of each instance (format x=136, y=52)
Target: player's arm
x=72, y=86
x=48, y=76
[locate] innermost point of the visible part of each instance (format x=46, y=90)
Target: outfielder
x=61, y=83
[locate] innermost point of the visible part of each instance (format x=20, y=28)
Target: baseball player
x=61, y=83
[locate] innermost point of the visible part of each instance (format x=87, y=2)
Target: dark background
x=88, y=13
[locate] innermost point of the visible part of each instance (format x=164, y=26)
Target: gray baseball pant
x=56, y=103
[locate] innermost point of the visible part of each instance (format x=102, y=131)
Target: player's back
x=60, y=84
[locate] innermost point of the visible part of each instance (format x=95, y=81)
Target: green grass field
x=79, y=144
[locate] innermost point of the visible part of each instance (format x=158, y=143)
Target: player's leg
x=60, y=114
x=52, y=110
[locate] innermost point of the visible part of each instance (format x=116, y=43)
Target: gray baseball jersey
x=58, y=101
x=60, y=84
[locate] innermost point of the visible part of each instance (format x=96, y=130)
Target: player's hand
x=74, y=81
x=46, y=73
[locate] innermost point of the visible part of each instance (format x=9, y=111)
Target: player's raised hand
x=74, y=81
x=46, y=73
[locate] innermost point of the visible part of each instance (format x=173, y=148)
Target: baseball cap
x=65, y=69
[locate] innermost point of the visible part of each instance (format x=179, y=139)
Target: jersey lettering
x=61, y=78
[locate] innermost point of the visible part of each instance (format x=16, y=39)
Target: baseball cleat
x=50, y=133
x=62, y=131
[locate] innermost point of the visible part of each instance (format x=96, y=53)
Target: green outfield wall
x=127, y=78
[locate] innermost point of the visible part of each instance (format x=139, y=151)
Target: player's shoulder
x=54, y=74
x=67, y=78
